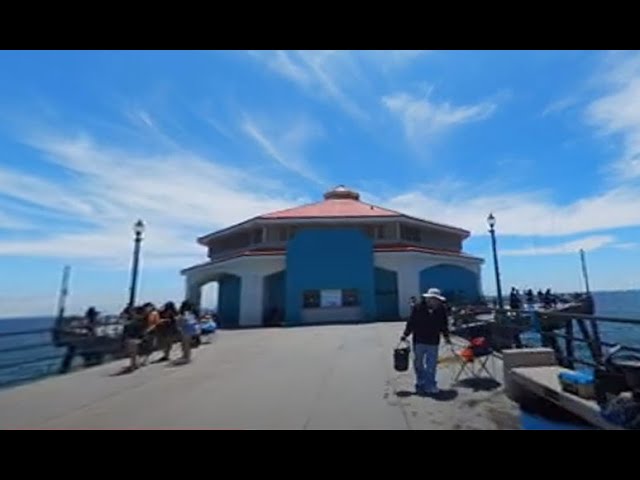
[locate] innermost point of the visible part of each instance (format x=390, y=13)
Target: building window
x=410, y=234
x=380, y=232
x=350, y=298
x=283, y=234
x=257, y=236
x=330, y=298
x=311, y=299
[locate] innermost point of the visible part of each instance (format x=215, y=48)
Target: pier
x=327, y=377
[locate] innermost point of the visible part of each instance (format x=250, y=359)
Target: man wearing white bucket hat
x=427, y=322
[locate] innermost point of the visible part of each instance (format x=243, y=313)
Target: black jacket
x=428, y=320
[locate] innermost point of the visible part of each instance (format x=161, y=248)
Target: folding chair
x=474, y=358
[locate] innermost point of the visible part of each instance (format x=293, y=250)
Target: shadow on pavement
x=123, y=371
x=441, y=396
x=178, y=363
x=445, y=395
x=405, y=393
x=480, y=384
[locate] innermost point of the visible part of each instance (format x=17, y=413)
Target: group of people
x=547, y=299
x=149, y=329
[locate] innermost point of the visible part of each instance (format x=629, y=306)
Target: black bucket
x=401, y=357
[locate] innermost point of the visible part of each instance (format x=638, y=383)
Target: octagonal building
x=336, y=260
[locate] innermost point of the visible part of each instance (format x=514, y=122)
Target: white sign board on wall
x=330, y=298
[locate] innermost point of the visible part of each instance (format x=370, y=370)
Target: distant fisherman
x=514, y=299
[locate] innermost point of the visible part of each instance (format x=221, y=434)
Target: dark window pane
x=311, y=299
x=350, y=298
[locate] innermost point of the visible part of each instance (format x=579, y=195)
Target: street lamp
x=138, y=230
x=491, y=221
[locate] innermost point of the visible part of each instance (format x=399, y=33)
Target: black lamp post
x=491, y=221
x=138, y=230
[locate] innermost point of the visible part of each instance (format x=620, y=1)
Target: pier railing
x=29, y=354
x=577, y=339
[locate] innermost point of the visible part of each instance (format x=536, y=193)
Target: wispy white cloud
x=288, y=66
x=520, y=214
x=617, y=113
x=587, y=244
x=424, y=119
x=389, y=60
x=626, y=246
x=560, y=105
x=219, y=127
x=337, y=76
x=179, y=194
x=286, y=145
x=10, y=222
x=40, y=192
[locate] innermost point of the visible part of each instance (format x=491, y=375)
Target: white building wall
x=251, y=270
x=408, y=266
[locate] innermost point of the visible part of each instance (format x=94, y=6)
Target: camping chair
x=474, y=358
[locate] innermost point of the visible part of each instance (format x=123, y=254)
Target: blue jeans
x=425, y=364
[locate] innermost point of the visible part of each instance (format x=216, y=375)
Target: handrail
x=600, y=318
x=550, y=333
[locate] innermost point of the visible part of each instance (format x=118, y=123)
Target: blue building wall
x=229, y=300
x=386, y=283
x=275, y=292
x=329, y=259
x=456, y=283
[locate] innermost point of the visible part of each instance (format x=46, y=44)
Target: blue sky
x=195, y=141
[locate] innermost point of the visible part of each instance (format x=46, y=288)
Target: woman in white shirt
x=188, y=324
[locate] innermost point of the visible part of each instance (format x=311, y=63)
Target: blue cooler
x=581, y=384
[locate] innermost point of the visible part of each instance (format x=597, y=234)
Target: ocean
x=20, y=363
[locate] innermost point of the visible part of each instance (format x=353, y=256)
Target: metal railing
x=18, y=365
x=566, y=332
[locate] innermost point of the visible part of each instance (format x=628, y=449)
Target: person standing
x=514, y=299
x=167, y=330
x=188, y=325
x=428, y=321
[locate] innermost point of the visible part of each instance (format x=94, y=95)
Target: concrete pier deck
x=326, y=377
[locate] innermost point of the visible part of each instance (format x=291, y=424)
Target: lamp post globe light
x=138, y=231
x=491, y=221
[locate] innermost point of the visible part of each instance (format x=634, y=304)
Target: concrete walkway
x=328, y=377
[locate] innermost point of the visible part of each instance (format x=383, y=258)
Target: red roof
x=338, y=203
x=334, y=207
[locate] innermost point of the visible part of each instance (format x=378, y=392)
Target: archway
x=458, y=284
x=228, y=296
x=274, y=299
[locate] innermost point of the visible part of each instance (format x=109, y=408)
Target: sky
x=193, y=141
